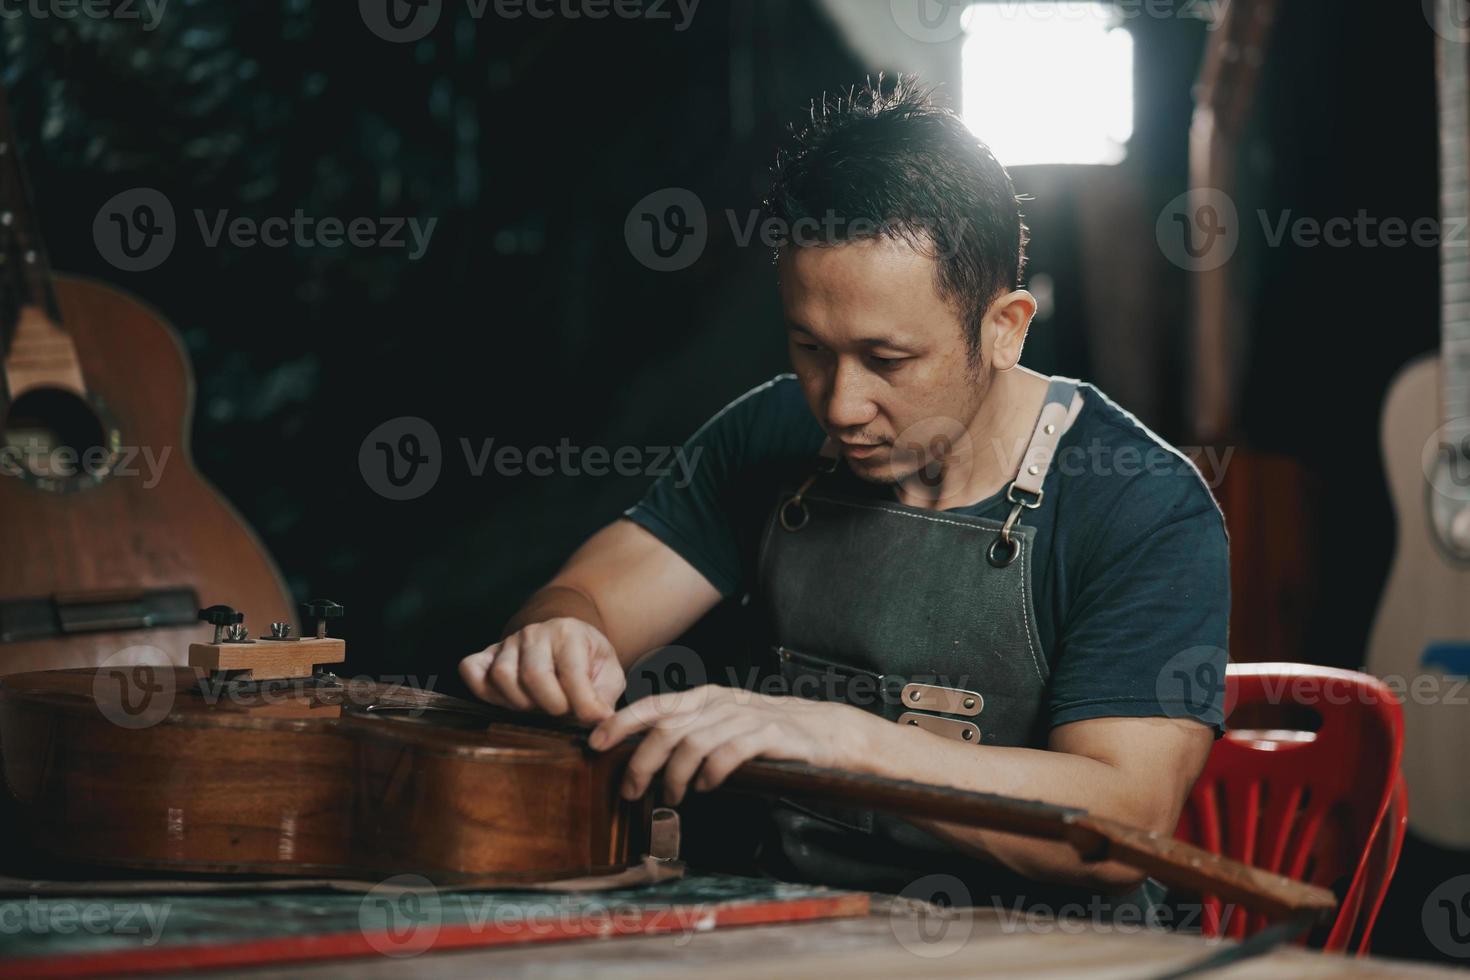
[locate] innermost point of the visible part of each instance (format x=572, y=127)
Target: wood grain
x=125, y=535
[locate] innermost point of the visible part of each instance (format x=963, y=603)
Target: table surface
x=898, y=943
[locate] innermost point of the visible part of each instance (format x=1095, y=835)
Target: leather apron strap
x=1058, y=412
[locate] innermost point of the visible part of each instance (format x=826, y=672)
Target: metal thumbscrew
x=220, y=617
x=322, y=610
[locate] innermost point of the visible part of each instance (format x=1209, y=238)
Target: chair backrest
x=1383, y=858
x=1300, y=785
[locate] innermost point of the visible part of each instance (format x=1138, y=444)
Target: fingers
x=504, y=677
x=664, y=741
x=538, y=672
x=574, y=672
x=474, y=669
x=558, y=667
x=655, y=711
x=609, y=680
x=697, y=747
x=478, y=672
x=762, y=741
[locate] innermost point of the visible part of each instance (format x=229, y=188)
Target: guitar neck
x=1454, y=206
x=1094, y=838
x=25, y=274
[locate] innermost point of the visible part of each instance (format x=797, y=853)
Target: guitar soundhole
x=57, y=440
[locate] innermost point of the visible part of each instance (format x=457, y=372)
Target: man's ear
x=1010, y=316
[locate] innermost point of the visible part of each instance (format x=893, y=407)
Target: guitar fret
x=1453, y=101
x=25, y=277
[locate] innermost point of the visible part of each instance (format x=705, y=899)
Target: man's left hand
x=705, y=733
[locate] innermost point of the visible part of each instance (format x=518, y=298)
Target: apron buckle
x=962, y=731
x=945, y=700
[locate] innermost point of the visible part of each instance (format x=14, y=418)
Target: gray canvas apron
x=921, y=616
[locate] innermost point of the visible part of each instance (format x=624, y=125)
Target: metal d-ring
x=1013, y=544
x=795, y=501
x=805, y=515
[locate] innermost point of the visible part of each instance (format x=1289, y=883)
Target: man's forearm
x=904, y=752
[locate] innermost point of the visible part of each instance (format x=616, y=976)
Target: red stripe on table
x=343, y=945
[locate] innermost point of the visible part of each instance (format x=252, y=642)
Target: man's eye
x=888, y=363
x=808, y=346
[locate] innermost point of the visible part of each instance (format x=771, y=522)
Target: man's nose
x=848, y=403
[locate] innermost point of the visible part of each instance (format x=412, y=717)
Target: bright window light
x=1048, y=82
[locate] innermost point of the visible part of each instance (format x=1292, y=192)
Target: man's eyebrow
x=895, y=343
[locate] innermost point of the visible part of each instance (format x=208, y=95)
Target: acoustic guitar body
x=139, y=768
x=146, y=767
x=94, y=567
x=1421, y=636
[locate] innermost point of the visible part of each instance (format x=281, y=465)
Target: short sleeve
x=704, y=504
x=1146, y=635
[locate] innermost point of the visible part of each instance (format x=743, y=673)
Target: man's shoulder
x=779, y=398
x=771, y=420
x=1111, y=459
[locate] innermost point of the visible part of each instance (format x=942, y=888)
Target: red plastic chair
x=1302, y=784
x=1383, y=858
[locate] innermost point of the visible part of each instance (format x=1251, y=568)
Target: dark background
x=529, y=320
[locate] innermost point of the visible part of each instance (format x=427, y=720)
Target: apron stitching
x=1025, y=602
x=763, y=559
x=904, y=513
x=1026, y=616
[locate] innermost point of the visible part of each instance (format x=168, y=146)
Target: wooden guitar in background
x=110, y=540
x=1423, y=625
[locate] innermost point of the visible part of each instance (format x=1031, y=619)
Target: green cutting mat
x=54, y=935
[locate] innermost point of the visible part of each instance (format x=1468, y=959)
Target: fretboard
x=25, y=276
x=1454, y=206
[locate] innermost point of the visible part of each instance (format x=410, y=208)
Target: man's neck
x=998, y=436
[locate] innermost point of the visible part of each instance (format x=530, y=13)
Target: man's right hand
x=560, y=666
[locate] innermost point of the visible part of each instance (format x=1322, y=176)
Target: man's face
x=881, y=355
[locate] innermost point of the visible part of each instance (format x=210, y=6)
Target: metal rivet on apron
x=1050, y=429
x=914, y=695
x=961, y=731
x=969, y=702
x=1033, y=469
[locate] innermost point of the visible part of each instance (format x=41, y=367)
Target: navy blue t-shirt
x=1131, y=569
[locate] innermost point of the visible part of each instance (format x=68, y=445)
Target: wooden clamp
x=267, y=658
